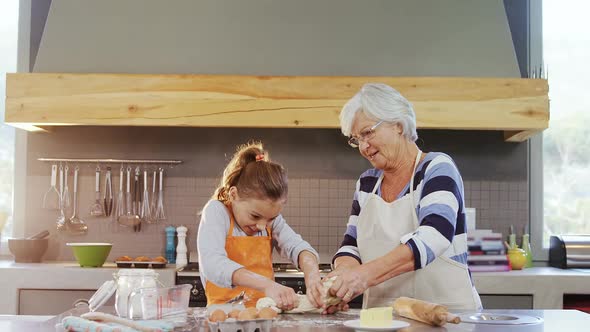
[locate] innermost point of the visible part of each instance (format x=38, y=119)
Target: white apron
x=380, y=228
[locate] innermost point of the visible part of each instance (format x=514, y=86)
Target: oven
x=285, y=274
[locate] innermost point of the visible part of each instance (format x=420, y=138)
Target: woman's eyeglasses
x=364, y=136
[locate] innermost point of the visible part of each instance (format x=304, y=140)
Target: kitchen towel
x=76, y=324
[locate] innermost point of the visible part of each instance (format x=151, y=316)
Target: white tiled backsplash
x=317, y=209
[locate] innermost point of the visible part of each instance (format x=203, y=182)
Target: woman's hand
x=342, y=306
x=285, y=297
x=350, y=282
x=314, y=289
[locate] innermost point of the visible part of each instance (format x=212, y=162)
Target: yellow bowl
x=517, y=258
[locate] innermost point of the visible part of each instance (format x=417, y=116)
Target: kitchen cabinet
x=518, y=107
x=49, y=301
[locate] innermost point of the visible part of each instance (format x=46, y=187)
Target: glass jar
x=129, y=280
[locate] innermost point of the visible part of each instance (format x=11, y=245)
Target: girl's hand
x=285, y=297
x=314, y=289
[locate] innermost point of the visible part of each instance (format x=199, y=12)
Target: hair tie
x=260, y=157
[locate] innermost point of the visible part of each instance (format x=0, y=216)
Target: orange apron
x=254, y=253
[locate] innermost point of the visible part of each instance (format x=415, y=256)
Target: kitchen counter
x=57, y=276
x=547, y=285
x=554, y=321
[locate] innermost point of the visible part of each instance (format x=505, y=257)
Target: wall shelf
x=518, y=107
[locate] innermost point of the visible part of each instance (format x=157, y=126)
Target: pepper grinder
x=170, y=251
x=181, y=259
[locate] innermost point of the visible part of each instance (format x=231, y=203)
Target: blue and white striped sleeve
x=441, y=201
x=349, y=247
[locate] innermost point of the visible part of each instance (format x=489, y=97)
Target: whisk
x=61, y=217
x=154, y=201
x=120, y=203
x=65, y=195
x=145, y=212
x=160, y=214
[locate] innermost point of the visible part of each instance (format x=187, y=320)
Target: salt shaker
x=170, y=232
x=181, y=249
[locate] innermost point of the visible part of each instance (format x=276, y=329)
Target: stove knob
x=195, y=291
x=299, y=292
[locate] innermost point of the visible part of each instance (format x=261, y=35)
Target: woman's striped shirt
x=439, y=201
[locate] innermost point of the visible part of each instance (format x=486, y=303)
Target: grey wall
x=330, y=37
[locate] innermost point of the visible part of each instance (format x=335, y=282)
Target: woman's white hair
x=382, y=103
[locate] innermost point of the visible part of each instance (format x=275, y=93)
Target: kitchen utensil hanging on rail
x=129, y=205
x=108, y=193
x=65, y=195
x=129, y=218
x=146, y=213
x=96, y=209
x=52, y=198
x=160, y=214
x=61, y=217
x=136, y=198
x=120, y=203
x=154, y=196
x=76, y=226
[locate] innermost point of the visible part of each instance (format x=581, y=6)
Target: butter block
x=376, y=317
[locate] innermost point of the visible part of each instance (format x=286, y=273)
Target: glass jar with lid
x=129, y=280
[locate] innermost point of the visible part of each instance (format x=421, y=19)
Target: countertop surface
x=552, y=321
x=58, y=276
x=546, y=285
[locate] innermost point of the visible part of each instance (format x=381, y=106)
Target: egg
x=253, y=311
x=247, y=314
x=234, y=313
x=267, y=313
x=217, y=316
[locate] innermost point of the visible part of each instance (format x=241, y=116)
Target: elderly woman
x=406, y=235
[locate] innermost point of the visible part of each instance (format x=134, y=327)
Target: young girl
x=239, y=227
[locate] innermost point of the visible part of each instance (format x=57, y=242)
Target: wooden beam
x=506, y=104
x=520, y=136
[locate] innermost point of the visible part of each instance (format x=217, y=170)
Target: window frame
x=20, y=136
x=535, y=143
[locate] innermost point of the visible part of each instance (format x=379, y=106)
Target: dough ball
x=267, y=313
x=267, y=302
x=247, y=314
x=234, y=313
x=217, y=315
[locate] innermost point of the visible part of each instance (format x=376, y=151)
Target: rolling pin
x=426, y=312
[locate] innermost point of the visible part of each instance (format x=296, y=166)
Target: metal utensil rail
x=112, y=161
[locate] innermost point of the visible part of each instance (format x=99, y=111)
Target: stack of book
x=486, y=251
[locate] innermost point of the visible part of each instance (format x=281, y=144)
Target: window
x=8, y=55
x=566, y=144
